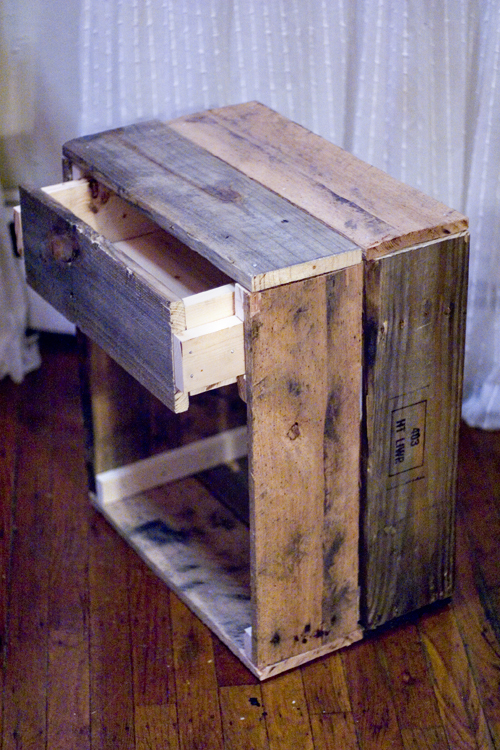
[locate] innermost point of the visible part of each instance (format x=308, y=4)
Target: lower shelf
x=193, y=542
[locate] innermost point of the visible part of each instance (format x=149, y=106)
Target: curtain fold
x=411, y=86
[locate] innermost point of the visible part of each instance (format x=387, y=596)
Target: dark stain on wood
x=159, y=533
x=332, y=415
x=294, y=387
x=276, y=639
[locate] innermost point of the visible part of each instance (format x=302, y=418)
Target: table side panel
x=414, y=347
x=303, y=405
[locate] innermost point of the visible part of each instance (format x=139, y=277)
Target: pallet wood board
x=378, y=213
x=253, y=235
x=304, y=515
x=197, y=546
x=414, y=343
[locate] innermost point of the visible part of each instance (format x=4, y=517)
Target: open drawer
x=161, y=310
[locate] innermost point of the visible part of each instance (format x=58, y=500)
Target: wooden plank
x=410, y=682
x=333, y=731
x=377, y=212
x=112, y=703
x=205, y=307
x=100, y=208
x=199, y=720
x=24, y=720
x=209, y=354
x=155, y=699
x=125, y=481
x=180, y=271
x=461, y=712
x=111, y=299
x=372, y=702
x=195, y=545
x=243, y=718
x=230, y=670
x=325, y=686
x=68, y=705
x=156, y=727
x=286, y=713
x=295, y=394
x=414, y=342
x=256, y=237
x=477, y=628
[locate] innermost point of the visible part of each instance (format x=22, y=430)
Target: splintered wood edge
x=169, y=466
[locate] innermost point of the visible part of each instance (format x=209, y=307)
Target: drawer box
x=136, y=290
x=234, y=245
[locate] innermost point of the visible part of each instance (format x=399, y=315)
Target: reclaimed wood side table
x=236, y=246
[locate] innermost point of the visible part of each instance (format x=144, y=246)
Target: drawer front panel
x=90, y=282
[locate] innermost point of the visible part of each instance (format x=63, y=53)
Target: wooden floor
x=98, y=654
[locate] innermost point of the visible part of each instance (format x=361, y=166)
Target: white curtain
x=411, y=86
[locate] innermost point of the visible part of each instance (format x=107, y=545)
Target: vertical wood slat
x=413, y=340
x=303, y=407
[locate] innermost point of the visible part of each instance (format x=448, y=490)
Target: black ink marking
x=254, y=702
x=275, y=640
x=307, y=628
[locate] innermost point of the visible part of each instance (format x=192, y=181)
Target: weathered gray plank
x=102, y=292
x=255, y=236
x=414, y=342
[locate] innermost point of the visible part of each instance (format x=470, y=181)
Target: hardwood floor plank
x=286, y=712
x=430, y=738
x=68, y=692
x=458, y=701
x=155, y=698
x=9, y=402
x=24, y=704
x=112, y=708
x=200, y=724
x=480, y=512
x=372, y=702
x=333, y=731
x=156, y=727
x=409, y=680
x=325, y=686
x=482, y=646
x=230, y=670
x=151, y=638
x=243, y=718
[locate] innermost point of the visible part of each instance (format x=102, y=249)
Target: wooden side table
x=236, y=246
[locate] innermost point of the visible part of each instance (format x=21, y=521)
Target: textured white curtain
x=411, y=86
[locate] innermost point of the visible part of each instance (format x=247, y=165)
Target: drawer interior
x=180, y=270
